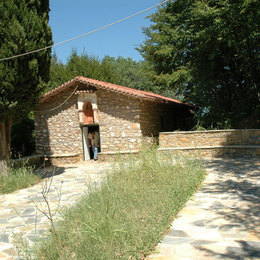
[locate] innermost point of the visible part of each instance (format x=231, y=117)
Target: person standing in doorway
x=93, y=140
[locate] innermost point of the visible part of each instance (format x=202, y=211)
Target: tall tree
x=209, y=52
x=122, y=71
x=133, y=74
x=23, y=27
x=80, y=65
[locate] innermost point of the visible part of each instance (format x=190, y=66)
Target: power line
x=85, y=34
x=50, y=110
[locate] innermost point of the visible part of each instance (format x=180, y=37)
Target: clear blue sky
x=70, y=18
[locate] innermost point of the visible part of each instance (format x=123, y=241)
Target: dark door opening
x=87, y=151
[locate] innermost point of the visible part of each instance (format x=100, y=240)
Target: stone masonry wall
x=210, y=138
x=58, y=132
x=215, y=151
x=156, y=117
x=119, y=122
x=150, y=119
x=124, y=123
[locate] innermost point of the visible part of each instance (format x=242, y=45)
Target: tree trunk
x=5, y=140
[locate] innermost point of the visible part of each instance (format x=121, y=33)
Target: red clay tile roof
x=112, y=87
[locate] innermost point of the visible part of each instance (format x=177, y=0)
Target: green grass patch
x=17, y=178
x=127, y=215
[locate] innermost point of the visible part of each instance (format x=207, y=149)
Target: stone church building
x=124, y=118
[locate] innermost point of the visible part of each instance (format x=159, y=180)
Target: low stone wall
x=212, y=143
x=34, y=160
x=215, y=151
x=60, y=159
x=112, y=156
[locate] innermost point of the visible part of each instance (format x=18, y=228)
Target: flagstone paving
x=23, y=213
x=222, y=220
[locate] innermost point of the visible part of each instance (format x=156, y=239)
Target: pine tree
x=23, y=27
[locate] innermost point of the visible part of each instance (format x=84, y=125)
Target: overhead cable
x=85, y=34
x=50, y=110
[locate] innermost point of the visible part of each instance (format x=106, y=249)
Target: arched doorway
x=88, y=116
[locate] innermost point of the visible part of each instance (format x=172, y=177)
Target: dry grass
x=126, y=216
x=17, y=178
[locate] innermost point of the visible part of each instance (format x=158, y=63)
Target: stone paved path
x=20, y=212
x=222, y=220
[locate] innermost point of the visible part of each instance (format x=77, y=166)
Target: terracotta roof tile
x=111, y=87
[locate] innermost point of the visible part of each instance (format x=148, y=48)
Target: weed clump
x=17, y=178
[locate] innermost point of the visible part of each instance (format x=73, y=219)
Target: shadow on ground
x=246, y=250
x=50, y=171
x=238, y=180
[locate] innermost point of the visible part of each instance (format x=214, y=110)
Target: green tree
x=57, y=73
x=122, y=71
x=130, y=73
x=80, y=65
x=23, y=27
x=23, y=137
x=209, y=53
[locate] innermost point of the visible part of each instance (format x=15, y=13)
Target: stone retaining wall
x=34, y=160
x=212, y=143
x=62, y=159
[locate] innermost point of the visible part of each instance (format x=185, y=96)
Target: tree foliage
x=130, y=73
x=122, y=71
x=23, y=138
x=23, y=27
x=208, y=52
x=79, y=65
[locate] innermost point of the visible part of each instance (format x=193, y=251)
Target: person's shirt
x=94, y=139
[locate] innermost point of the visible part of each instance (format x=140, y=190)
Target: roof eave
x=142, y=95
